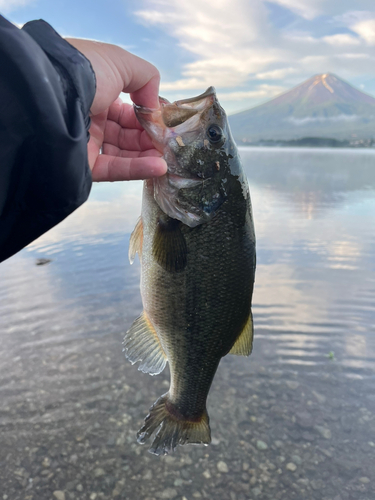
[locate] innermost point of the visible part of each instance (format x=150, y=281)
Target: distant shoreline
x=311, y=142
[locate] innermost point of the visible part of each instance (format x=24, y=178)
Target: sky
x=250, y=50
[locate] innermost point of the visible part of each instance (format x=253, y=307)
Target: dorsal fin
x=136, y=241
x=141, y=343
x=244, y=343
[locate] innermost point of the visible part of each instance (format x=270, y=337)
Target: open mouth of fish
x=177, y=118
x=177, y=113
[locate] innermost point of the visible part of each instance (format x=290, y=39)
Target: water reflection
x=67, y=393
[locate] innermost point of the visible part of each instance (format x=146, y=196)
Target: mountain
x=323, y=106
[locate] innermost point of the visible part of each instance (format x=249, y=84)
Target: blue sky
x=249, y=50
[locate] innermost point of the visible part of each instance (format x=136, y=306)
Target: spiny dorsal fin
x=141, y=343
x=136, y=240
x=169, y=246
x=244, y=343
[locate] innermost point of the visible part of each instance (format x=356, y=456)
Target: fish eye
x=214, y=133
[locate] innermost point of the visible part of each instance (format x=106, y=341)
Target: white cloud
x=275, y=74
x=309, y=9
x=263, y=91
x=366, y=29
x=228, y=38
x=10, y=5
x=354, y=56
x=341, y=40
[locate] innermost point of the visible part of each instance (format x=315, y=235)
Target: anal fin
x=136, y=240
x=244, y=343
x=141, y=343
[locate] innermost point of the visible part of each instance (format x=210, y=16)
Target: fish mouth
x=178, y=112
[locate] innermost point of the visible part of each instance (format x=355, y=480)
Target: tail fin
x=172, y=431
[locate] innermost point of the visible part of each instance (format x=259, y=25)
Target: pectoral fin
x=244, y=343
x=169, y=246
x=141, y=343
x=136, y=240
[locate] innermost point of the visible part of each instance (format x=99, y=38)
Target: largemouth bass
x=196, y=244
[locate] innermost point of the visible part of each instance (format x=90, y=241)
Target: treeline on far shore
x=319, y=142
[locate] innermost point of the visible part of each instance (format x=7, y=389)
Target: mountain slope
x=322, y=106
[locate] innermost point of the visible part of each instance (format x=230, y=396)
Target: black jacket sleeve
x=46, y=90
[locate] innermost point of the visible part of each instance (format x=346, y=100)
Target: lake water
x=296, y=420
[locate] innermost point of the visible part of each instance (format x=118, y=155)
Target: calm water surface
x=296, y=420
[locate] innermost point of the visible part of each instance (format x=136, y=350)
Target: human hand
x=127, y=150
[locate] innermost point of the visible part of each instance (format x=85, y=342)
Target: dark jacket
x=46, y=90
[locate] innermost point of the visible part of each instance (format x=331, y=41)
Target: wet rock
x=46, y=462
x=99, y=472
x=292, y=384
x=111, y=440
x=316, y=484
x=207, y=474
x=59, y=495
x=168, y=493
x=148, y=475
x=261, y=445
x=308, y=436
x=320, y=398
x=303, y=482
x=295, y=435
x=323, y=431
x=297, y=459
x=304, y=420
x=364, y=480
x=348, y=465
x=256, y=492
x=291, y=466
x=185, y=474
x=118, y=488
x=222, y=467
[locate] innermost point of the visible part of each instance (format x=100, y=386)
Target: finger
x=129, y=139
x=113, y=168
x=141, y=79
x=123, y=114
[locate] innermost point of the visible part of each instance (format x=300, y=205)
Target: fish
x=196, y=243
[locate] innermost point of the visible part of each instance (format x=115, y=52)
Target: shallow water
x=294, y=421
